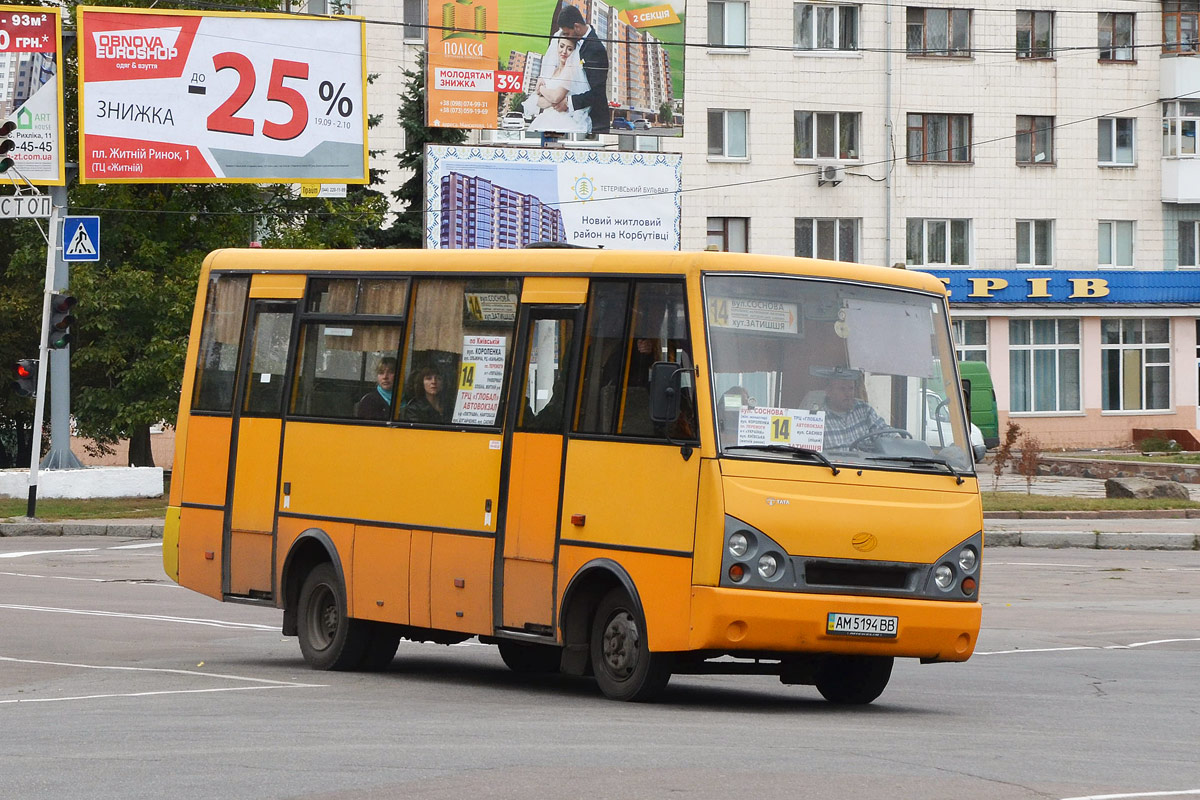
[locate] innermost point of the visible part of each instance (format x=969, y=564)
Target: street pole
x=60, y=455
x=53, y=245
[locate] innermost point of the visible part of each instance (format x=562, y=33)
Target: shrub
x=1004, y=453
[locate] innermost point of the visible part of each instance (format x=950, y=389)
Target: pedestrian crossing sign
x=81, y=239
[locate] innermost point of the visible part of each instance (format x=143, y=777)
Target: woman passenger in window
x=377, y=403
x=429, y=404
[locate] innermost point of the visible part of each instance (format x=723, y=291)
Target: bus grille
x=856, y=575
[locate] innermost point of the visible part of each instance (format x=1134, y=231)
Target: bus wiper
x=795, y=450
x=923, y=460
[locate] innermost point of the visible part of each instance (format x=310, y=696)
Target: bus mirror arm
x=666, y=390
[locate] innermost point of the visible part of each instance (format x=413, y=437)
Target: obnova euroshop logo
x=149, y=44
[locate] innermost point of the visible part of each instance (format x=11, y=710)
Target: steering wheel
x=939, y=408
x=873, y=435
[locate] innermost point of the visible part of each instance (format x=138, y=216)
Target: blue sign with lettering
x=1090, y=287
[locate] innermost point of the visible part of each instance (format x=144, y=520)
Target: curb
x=1092, y=540
x=1165, y=513
x=129, y=529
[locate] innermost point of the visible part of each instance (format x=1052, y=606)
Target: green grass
x=1019, y=501
x=50, y=510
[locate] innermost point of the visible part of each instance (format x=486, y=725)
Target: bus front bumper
x=747, y=620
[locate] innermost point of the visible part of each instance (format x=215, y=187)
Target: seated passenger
x=428, y=405
x=377, y=403
x=847, y=418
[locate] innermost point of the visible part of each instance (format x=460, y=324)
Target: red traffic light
x=26, y=372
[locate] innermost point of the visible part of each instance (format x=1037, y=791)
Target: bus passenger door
x=254, y=461
x=537, y=417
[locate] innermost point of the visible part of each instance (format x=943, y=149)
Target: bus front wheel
x=624, y=667
x=853, y=680
x=329, y=639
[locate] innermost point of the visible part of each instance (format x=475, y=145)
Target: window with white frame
x=1114, y=140
x=1035, y=242
x=727, y=23
x=1181, y=26
x=727, y=133
x=1115, y=243
x=939, y=242
x=414, y=19
x=1181, y=118
x=1043, y=365
x=729, y=234
x=1035, y=34
x=1116, y=36
x=820, y=26
x=970, y=339
x=1189, y=243
x=1035, y=139
x=826, y=134
x=832, y=239
x=939, y=138
x=1135, y=368
x=938, y=31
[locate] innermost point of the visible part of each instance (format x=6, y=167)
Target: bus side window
x=604, y=356
x=216, y=364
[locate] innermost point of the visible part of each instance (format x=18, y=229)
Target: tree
x=408, y=230
x=666, y=113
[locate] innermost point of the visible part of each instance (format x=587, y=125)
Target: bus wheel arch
x=587, y=588
x=311, y=548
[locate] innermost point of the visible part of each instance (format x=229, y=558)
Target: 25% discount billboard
x=191, y=97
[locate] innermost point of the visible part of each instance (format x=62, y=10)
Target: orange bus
x=620, y=464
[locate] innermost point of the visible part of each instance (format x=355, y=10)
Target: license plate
x=861, y=625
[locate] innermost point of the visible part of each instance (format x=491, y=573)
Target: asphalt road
x=114, y=683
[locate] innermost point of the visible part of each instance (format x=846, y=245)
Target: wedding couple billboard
x=559, y=66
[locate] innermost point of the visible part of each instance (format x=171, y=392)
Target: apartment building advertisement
x=31, y=91
x=511, y=197
x=210, y=97
x=556, y=66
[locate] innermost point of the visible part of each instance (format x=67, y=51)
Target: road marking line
x=1136, y=794
x=121, y=668
x=148, y=694
x=215, y=623
x=163, y=584
x=1088, y=647
x=134, y=546
x=24, y=553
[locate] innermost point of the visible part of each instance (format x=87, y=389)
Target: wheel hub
x=620, y=644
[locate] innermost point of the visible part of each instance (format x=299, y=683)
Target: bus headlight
x=943, y=576
x=967, y=559
x=738, y=545
x=768, y=565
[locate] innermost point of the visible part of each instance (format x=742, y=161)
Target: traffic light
x=7, y=145
x=26, y=373
x=61, y=321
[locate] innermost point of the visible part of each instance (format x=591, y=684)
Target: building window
x=824, y=27
x=832, y=239
x=939, y=32
x=939, y=137
x=1115, y=242
x=729, y=234
x=970, y=339
x=1189, y=243
x=1115, y=141
x=1181, y=26
x=1135, y=364
x=1035, y=34
x=727, y=23
x=939, y=242
x=1043, y=364
x=831, y=134
x=1035, y=242
x=1180, y=120
x=414, y=19
x=1116, y=36
x=727, y=133
x=1035, y=139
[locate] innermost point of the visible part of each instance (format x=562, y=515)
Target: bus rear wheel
x=853, y=680
x=329, y=639
x=624, y=667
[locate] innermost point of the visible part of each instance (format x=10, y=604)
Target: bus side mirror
x=665, y=383
x=980, y=453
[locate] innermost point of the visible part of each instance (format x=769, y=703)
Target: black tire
x=622, y=662
x=329, y=639
x=530, y=658
x=381, y=648
x=853, y=680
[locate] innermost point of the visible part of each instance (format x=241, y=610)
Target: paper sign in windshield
x=790, y=426
x=767, y=316
x=480, y=380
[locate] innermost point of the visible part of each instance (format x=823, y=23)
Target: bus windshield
x=860, y=374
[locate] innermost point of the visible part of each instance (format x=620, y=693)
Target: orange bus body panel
x=200, y=536
x=460, y=592
x=418, y=578
x=381, y=574
x=203, y=477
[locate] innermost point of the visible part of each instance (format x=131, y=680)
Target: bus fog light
x=737, y=572
x=967, y=559
x=943, y=576
x=768, y=566
x=738, y=545
x=968, y=586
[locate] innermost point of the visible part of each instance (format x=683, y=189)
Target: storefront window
x=970, y=339
x=1043, y=363
x=1135, y=364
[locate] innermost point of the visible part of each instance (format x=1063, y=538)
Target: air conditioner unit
x=830, y=173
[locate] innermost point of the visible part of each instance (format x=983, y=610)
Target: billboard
x=556, y=66
x=510, y=197
x=209, y=97
x=31, y=90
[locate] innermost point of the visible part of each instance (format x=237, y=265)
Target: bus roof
x=559, y=261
